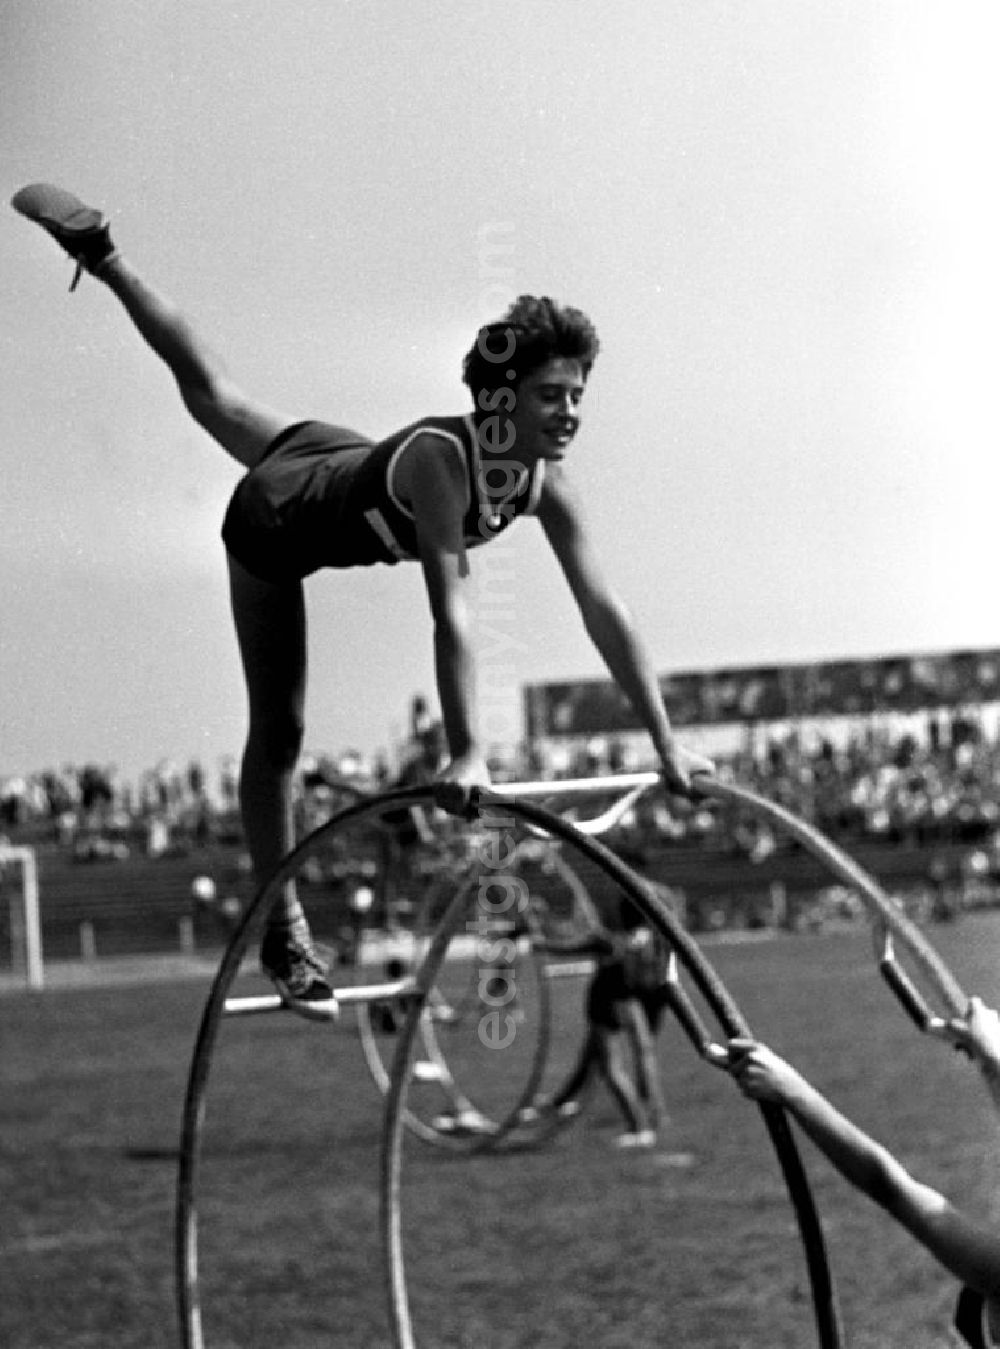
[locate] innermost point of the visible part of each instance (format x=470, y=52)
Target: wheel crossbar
x=256, y=1004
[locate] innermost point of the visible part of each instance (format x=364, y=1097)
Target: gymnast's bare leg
x=270, y=619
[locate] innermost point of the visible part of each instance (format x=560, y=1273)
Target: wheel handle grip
x=690, y=1022
x=906, y=991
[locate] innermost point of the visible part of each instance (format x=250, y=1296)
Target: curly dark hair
x=534, y=330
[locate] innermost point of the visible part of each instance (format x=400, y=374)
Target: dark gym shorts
x=288, y=517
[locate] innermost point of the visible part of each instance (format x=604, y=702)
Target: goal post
x=25, y=921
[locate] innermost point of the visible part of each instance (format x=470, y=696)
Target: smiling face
x=546, y=416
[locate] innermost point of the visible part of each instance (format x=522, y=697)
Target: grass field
x=572, y=1244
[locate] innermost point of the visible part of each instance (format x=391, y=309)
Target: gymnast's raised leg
x=270, y=619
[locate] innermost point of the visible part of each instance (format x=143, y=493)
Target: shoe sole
x=447, y=1124
x=634, y=1143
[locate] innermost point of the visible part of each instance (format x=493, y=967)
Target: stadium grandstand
x=895, y=757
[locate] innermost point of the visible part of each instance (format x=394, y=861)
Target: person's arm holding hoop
x=966, y=1248
x=434, y=486
x=610, y=626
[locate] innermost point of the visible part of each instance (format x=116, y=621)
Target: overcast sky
x=781, y=215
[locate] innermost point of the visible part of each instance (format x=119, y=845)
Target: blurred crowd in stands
x=885, y=781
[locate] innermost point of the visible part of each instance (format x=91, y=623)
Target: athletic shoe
x=645, y=1138
x=81, y=230
x=464, y=1122
x=298, y=974
x=531, y=1114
